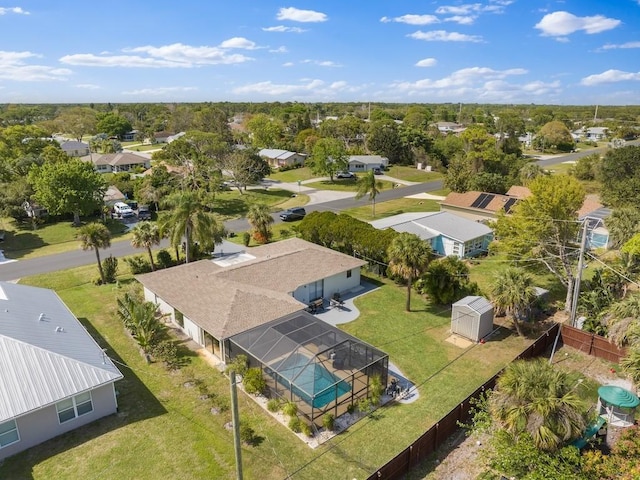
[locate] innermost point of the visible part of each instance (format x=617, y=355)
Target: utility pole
x=576, y=289
x=236, y=424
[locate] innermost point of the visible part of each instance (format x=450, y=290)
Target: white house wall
x=194, y=331
x=336, y=283
x=41, y=425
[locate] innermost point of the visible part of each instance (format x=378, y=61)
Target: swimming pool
x=310, y=381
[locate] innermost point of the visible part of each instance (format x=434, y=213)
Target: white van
x=122, y=210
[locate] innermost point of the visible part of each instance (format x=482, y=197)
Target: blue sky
x=491, y=51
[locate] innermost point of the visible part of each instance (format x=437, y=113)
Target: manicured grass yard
x=22, y=242
x=412, y=174
x=292, y=176
x=165, y=430
x=344, y=185
x=393, y=207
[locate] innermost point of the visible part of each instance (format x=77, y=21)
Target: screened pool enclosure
x=312, y=363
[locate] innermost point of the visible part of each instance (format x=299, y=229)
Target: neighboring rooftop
x=46, y=354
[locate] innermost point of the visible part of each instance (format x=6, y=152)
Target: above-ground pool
x=310, y=380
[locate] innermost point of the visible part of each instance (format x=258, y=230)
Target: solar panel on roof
x=476, y=203
x=509, y=204
x=486, y=201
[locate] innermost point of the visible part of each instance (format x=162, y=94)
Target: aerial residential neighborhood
x=256, y=241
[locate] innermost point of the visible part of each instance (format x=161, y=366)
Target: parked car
x=144, y=213
x=345, y=175
x=122, y=210
x=296, y=213
x=378, y=171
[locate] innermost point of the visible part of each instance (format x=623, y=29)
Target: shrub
x=164, y=259
x=167, y=352
x=305, y=428
x=239, y=364
x=246, y=239
x=110, y=269
x=365, y=405
x=138, y=264
x=351, y=408
x=247, y=434
x=376, y=389
x=290, y=409
x=254, y=382
x=295, y=424
x=329, y=421
x=273, y=405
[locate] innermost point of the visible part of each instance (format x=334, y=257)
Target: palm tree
x=146, y=235
x=190, y=219
x=513, y=292
x=369, y=185
x=534, y=397
x=409, y=257
x=95, y=236
x=260, y=220
x=139, y=318
x=622, y=321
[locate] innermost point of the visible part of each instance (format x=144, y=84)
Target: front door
x=316, y=290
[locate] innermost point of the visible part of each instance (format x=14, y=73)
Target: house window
x=74, y=407
x=179, y=318
x=8, y=433
x=348, y=273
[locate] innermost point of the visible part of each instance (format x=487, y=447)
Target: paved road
x=76, y=258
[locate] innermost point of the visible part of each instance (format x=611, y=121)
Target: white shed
x=472, y=317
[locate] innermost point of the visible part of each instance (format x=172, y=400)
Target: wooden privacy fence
x=592, y=344
x=438, y=434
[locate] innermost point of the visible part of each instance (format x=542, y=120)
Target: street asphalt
x=62, y=261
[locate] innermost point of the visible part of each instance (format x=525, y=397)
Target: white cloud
x=280, y=49
x=426, y=62
x=444, y=36
x=17, y=10
x=495, y=7
x=564, y=23
x=610, y=76
x=322, y=63
x=288, y=64
x=297, y=15
x=610, y=46
x=460, y=78
x=176, y=55
x=461, y=19
x=411, y=19
x=14, y=67
x=239, y=42
x=155, y=92
x=309, y=88
x=282, y=28
x=88, y=86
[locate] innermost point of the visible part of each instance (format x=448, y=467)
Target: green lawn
x=344, y=185
x=292, y=176
x=22, y=241
x=412, y=174
x=166, y=430
x=393, y=207
x=233, y=204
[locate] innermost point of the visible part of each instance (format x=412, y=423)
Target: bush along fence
x=438, y=434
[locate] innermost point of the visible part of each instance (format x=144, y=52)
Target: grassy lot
x=412, y=174
x=591, y=186
x=165, y=430
x=394, y=207
x=292, y=176
x=233, y=204
x=144, y=148
x=22, y=242
x=343, y=185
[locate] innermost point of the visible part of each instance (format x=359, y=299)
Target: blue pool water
x=311, y=381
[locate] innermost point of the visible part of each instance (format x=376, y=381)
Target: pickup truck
x=144, y=213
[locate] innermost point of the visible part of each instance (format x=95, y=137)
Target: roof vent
x=41, y=317
x=59, y=329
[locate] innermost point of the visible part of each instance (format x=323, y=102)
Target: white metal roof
x=46, y=355
x=475, y=303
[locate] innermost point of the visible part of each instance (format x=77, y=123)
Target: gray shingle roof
x=46, y=354
x=226, y=300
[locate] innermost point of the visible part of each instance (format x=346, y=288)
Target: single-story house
x=593, y=134
x=282, y=158
x=119, y=162
x=162, y=137
x=477, y=206
x=54, y=377
x=113, y=195
x=212, y=300
x=74, y=148
x=130, y=136
x=173, y=138
x=365, y=163
x=448, y=234
x=592, y=211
